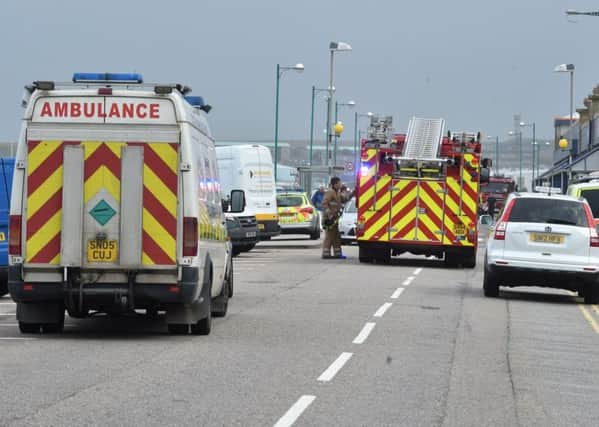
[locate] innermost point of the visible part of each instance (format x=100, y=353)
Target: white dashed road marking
x=397, y=293
x=295, y=411
x=381, y=311
x=366, y=330
x=332, y=370
x=408, y=281
x=417, y=271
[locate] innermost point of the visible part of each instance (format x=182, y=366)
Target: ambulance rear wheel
x=29, y=328
x=203, y=326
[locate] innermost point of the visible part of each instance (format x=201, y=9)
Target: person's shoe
x=341, y=256
x=327, y=257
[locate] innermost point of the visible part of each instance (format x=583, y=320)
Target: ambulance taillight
x=14, y=235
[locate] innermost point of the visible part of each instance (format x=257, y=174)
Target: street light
x=570, y=12
x=565, y=145
x=315, y=90
x=519, y=133
x=280, y=70
x=356, y=117
x=350, y=104
x=534, y=141
x=568, y=68
x=333, y=47
x=496, y=152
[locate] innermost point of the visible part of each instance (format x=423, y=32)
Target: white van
x=250, y=168
x=116, y=206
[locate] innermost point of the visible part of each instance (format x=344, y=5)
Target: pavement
x=313, y=342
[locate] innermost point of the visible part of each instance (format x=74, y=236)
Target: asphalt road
x=320, y=343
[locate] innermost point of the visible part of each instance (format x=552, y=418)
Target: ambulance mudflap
x=101, y=205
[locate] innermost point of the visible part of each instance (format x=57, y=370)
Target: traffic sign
x=349, y=166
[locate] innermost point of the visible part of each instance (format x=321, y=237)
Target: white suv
x=544, y=240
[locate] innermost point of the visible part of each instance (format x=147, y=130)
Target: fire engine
x=498, y=187
x=419, y=192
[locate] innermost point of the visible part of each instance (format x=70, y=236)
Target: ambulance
x=116, y=206
x=249, y=167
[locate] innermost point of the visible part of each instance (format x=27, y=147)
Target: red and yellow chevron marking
x=159, y=234
x=44, y=201
x=102, y=169
x=376, y=210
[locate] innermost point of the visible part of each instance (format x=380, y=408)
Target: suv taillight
x=500, y=231
x=14, y=235
x=594, y=239
x=190, y=236
x=502, y=222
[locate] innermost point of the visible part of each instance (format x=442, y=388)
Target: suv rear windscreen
x=592, y=196
x=551, y=211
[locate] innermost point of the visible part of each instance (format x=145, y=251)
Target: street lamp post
x=496, y=152
x=519, y=133
x=315, y=90
x=534, y=141
x=333, y=47
x=356, y=117
x=349, y=104
x=280, y=70
x=568, y=68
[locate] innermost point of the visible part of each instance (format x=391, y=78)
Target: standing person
x=318, y=197
x=332, y=205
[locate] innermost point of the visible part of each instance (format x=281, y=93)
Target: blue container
x=7, y=166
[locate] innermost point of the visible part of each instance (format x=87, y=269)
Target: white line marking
x=295, y=411
x=8, y=314
x=408, y=281
x=382, y=309
x=17, y=338
x=397, y=293
x=8, y=303
x=332, y=370
x=417, y=271
x=366, y=330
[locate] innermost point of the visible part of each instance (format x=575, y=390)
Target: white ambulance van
x=250, y=168
x=116, y=205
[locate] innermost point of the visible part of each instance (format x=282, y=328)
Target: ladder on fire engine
x=423, y=139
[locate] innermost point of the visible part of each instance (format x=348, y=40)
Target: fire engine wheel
x=29, y=328
x=469, y=259
x=364, y=254
x=178, y=328
x=383, y=256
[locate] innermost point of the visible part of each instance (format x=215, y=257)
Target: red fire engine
x=498, y=188
x=418, y=193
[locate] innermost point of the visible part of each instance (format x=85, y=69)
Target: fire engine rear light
x=190, y=236
x=28, y=288
x=105, y=91
x=364, y=170
x=14, y=235
x=174, y=289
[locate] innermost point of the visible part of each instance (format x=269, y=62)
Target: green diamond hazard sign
x=102, y=212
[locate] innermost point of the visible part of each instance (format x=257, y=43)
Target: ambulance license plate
x=459, y=229
x=102, y=250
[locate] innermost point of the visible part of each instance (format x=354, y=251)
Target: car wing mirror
x=237, y=201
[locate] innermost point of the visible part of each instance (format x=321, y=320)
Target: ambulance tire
x=3, y=289
x=54, y=328
x=204, y=326
x=364, y=254
x=220, y=304
x=230, y=280
x=178, y=328
x=29, y=328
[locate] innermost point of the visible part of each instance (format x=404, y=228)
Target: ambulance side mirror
x=237, y=201
x=225, y=205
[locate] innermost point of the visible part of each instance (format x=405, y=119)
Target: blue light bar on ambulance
x=107, y=78
x=195, y=101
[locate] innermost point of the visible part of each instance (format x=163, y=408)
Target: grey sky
x=474, y=63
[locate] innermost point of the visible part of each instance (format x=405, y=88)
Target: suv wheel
x=490, y=283
x=591, y=293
